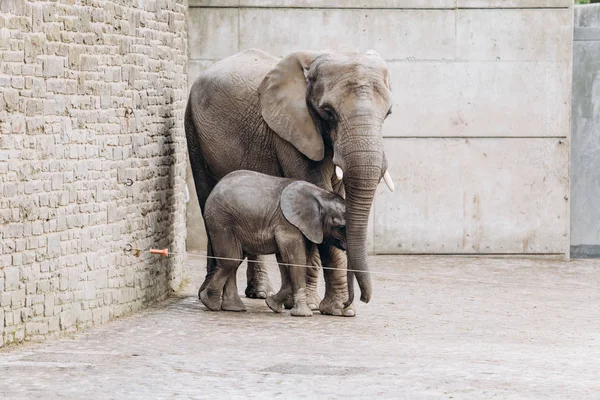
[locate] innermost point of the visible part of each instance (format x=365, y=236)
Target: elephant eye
x=327, y=112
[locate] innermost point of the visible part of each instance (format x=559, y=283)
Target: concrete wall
x=478, y=143
x=92, y=95
x=585, y=162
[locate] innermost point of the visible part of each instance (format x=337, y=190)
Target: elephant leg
x=284, y=296
x=295, y=287
x=231, y=298
x=228, y=252
x=312, y=278
x=259, y=285
x=298, y=281
x=336, y=287
x=286, y=286
x=211, y=294
x=203, y=182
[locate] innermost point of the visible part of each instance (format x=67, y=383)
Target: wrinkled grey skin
x=297, y=117
x=249, y=212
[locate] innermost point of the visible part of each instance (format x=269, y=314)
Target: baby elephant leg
x=286, y=287
x=231, y=298
x=294, y=257
x=276, y=301
x=298, y=281
x=312, y=277
x=211, y=294
x=228, y=254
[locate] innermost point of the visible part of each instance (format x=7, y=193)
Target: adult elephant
x=303, y=116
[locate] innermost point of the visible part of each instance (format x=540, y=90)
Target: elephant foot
x=301, y=310
x=336, y=308
x=349, y=311
x=274, y=304
x=313, y=300
x=288, y=303
x=234, y=304
x=259, y=288
x=211, y=301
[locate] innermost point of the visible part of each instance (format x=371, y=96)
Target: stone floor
x=437, y=327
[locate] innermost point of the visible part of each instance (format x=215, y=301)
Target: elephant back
x=225, y=110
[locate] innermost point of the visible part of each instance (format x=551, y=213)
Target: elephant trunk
x=362, y=171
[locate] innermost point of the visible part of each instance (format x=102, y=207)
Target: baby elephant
x=252, y=213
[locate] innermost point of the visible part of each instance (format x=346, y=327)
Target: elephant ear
x=283, y=104
x=300, y=206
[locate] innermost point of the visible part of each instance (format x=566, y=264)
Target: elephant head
x=327, y=103
x=318, y=213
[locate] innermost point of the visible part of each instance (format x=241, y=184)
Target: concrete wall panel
x=513, y=3
x=587, y=16
x=585, y=163
x=396, y=34
x=507, y=35
x=474, y=196
x=337, y=4
x=479, y=99
x=396, y=4
x=585, y=187
x=215, y=33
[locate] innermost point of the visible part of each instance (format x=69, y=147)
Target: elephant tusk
x=187, y=194
x=388, y=180
x=339, y=173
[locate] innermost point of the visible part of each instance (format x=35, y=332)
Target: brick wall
x=92, y=158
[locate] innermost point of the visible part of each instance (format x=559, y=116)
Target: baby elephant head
x=317, y=213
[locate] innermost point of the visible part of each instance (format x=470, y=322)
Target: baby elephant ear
x=302, y=209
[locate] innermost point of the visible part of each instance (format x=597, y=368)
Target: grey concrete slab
x=479, y=99
x=587, y=15
x=395, y=4
x=443, y=327
x=365, y=4
x=586, y=34
x=474, y=196
x=395, y=34
x=214, y=33
x=509, y=35
x=585, y=151
x=585, y=251
x=513, y=3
